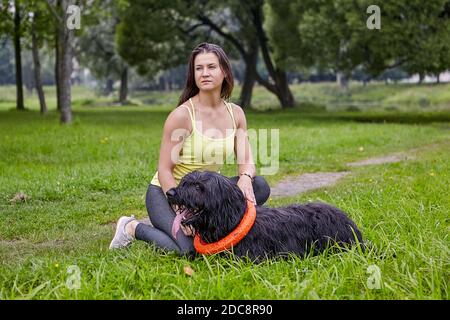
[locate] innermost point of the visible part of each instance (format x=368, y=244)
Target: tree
x=11, y=24
x=98, y=50
x=64, y=52
x=233, y=25
x=37, y=63
x=30, y=30
x=156, y=33
x=149, y=37
x=328, y=37
x=6, y=47
x=426, y=49
x=414, y=34
x=40, y=20
x=251, y=16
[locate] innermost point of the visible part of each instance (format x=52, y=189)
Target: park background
x=85, y=90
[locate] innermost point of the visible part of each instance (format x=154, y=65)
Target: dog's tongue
x=177, y=223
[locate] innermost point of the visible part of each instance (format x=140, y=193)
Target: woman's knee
x=148, y=199
x=157, y=206
x=261, y=189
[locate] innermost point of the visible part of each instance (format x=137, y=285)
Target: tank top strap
x=193, y=109
x=191, y=113
x=230, y=110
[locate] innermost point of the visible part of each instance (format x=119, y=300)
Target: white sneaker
x=122, y=239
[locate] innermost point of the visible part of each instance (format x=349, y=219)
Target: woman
x=200, y=134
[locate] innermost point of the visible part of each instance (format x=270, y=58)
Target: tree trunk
x=421, y=77
x=17, y=49
x=57, y=61
x=37, y=67
x=65, y=66
x=123, y=86
x=279, y=76
x=283, y=93
x=280, y=88
x=249, y=78
x=166, y=82
x=342, y=80
x=109, y=86
x=57, y=72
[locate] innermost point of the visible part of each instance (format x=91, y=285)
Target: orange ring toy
x=233, y=238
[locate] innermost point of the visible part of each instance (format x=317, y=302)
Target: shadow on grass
x=120, y=114
x=311, y=113
x=385, y=117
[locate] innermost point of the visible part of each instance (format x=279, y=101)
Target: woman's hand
x=245, y=184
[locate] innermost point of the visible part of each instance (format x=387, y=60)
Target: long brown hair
x=191, y=89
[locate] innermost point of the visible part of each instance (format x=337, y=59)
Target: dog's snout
x=171, y=193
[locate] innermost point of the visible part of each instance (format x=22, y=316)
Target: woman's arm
x=176, y=128
x=243, y=152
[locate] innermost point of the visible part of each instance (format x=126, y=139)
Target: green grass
x=81, y=178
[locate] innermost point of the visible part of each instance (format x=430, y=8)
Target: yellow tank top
x=200, y=152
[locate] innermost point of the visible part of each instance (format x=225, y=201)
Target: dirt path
x=310, y=181
x=392, y=158
x=305, y=182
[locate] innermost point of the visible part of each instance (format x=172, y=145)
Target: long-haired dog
x=213, y=205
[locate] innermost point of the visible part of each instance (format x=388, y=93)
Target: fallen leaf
x=20, y=197
x=188, y=270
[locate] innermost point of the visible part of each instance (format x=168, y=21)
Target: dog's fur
x=216, y=205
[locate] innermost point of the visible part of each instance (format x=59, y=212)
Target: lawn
x=80, y=179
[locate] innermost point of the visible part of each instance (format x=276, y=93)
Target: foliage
x=97, y=48
x=334, y=34
x=149, y=36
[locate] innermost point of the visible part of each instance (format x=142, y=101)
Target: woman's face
x=208, y=74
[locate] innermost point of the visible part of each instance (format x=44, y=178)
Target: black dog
x=213, y=205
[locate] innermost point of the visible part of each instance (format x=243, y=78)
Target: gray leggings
x=162, y=215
